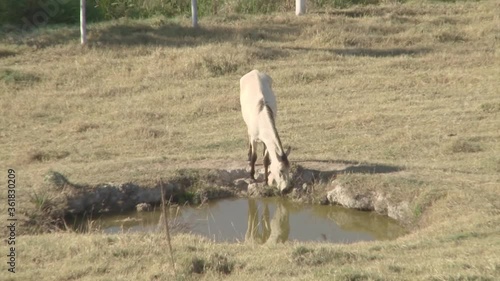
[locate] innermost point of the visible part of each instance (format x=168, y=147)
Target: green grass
x=411, y=86
x=36, y=13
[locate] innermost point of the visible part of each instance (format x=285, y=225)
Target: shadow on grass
x=6, y=53
x=175, y=35
x=367, y=52
x=357, y=167
x=326, y=173
x=160, y=32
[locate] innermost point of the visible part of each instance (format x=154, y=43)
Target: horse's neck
x=280, y=226
x=269, y=135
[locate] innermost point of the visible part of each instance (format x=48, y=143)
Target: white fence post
x=194, y=13
x=300, y=7
x=83, y=23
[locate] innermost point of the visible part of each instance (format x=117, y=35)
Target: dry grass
x=413, y=86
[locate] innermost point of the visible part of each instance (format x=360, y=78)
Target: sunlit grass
x=413, y=86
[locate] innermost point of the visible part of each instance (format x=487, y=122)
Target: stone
x=241, y=184
x=143, y=207
x=324, y=201
x=399, y=212
x=344, y=197
x=380, y=204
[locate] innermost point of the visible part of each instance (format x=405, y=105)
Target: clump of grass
x=451, y=36
x=197, y=265
x=46, y=156
x=16, y=77
x=356, y=275
x=256, y=6
x=186, y=197
x=186, y=178
x=85, y=224
x=216, y=262
x=46, y=212
x=300, y=254
x=144, y=132
x=42, y=201
x=464, y=146
x=490, y=107
x=6, y=53
x=219, y=66
x=425, y=200
x=396, y=268
x=307, y=78
x=254, y=53
x=84, y=127
x=310, y=257
x=219, y=263
x=206, y=193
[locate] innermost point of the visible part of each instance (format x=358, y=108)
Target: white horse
x=258, y=107
x=263, y=229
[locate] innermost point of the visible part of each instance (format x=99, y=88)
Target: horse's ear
x=287, y=152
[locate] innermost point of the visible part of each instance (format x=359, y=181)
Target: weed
x=220, y=264
x=15, y=77
x=465, y=146
x=42, y=201
x=304, y=256
x=417, y=211
x=197, y=265
x=215, y=262
x=219, y=67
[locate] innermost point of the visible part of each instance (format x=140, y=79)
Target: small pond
x=260, y=220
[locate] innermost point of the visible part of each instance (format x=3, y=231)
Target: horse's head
x=280, y=171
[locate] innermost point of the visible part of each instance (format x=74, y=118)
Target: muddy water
x=264, y=220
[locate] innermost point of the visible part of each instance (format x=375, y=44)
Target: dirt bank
x=313, y=182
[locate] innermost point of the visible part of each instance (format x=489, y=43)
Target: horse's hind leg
x=249, y=152
x=252, y=155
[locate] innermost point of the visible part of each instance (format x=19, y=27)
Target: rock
x=242, y=184
x=308, y=176
x=369, y=202
x=143, y=207
x=152, y=194
x=226, y=177
x=399, y=212
x=324, y=201
x=380, y=204
x=345, y=197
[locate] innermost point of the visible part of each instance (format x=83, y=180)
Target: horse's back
x=256, y=87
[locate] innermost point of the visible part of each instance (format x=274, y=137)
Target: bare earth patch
x=313, y=182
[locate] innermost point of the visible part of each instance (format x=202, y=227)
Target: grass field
x=414, y=85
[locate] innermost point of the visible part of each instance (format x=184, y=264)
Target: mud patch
x=312, y=182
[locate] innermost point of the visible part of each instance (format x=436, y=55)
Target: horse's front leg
x=267, y=162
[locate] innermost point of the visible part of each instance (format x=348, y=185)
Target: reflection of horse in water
x=263, y=230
